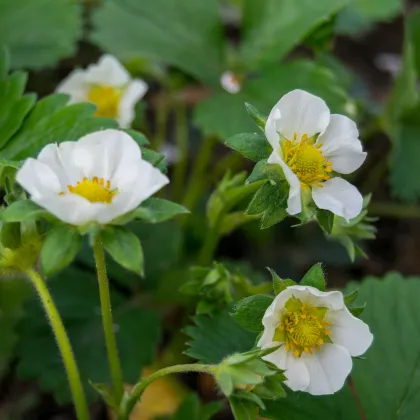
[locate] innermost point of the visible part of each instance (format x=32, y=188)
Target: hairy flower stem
x=131, y=398
x=108, y=325
x=63, y=343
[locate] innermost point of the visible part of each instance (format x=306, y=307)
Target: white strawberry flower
x=95, y=179
x=312, y=145
x=318, y=337
x=109, y=86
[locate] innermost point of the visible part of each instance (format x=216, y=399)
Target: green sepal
x=157, y=210
x=10, y=235
x=325, y=219
x=23, y=210
x=138, y=137
x=106, y=393
x=271, y=388
x=351, y=297
x=253, y=146
x=315, y=277
x=155, y=158
x=124, y=247
x=60, y=248
x=249, y=312
x=279, y=284
x=357, y=310
x=256, y=115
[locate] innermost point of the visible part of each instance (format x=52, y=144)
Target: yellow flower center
x=96, y=190
x=306, y=161
x=303, y=327
x=107, y=100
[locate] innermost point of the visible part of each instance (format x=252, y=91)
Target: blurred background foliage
x=361, y=56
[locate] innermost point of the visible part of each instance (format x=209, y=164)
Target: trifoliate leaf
x=392, y=315
x=60, y=248
x=214, y=337
x=124, y=247
x=75, y=293
x=191, y=39
x=315, y=277
x=249, y=312
x=251, y=145
x=263, y=92
x=271, y=28
x=39, y=32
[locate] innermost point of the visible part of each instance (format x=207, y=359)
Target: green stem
x=108, y=324
x=198, y=178
x=130, y=401
x=180, y=169
x=63, y=343
x=209, y=246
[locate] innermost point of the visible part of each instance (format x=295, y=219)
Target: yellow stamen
x=95, y=190
x=306, y=160
x=304, y=328
x=107, y=100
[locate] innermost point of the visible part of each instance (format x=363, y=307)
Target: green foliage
x=394, y=320
x=12, y=296
x=192, y=409
x=272, y=28
x=263, y=92
x=125, y=248
x=215, y=337
x=76, y=295
x=315, y=277
x=216, y=287
x=192, y=39
x=60, y=248
x=243, y=409
x=39, y=32
x=22, y=211
x=251, y=145
x=249, y=312
x=402, y=109
x=270, y=201
x=361, y=15
x=157, y=210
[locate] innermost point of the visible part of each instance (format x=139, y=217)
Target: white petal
x=328, y=369
x=133, y=93
x=75, y=86
x=294, y=203
x=38, y=179
x=341, y=145
x=298, y=112
x=70, y=208
x=349, y=332
x=271, y=133
x=108, y=71
x=338, y=196
x=106, y=154
x=296, y=372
